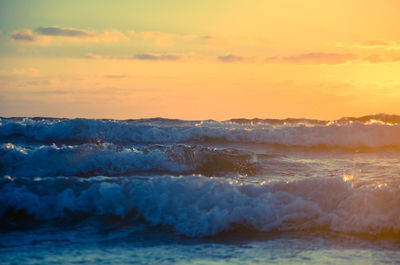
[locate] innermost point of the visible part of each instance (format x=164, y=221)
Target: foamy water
x=172, y=191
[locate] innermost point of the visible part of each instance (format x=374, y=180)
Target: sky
x=216, y=59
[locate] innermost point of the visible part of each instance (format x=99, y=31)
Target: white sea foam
x=351, y=134
x=82, y=160
x=110, y=160
x=199, y=206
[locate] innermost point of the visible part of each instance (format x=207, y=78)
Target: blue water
x=159, y=191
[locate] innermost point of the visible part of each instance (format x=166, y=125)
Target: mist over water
x=163, y=191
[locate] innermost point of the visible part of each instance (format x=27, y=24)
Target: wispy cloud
x=381, y=58
x=32, y=72
x=91, y=56
x=230, y=58
x=164, y=38
x=315, y=58
x=379, y=44
x=51, y=92
x=23, y=35
x=374, y=43
x=368, y=45
x=158, y=57
x=112, y=35
x=64, y=32
x=45, y=35
x=214, y=41
x=56, y=34
x=160, y=38
x=115, y=76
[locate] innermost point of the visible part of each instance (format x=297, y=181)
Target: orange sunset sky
x=216, y=59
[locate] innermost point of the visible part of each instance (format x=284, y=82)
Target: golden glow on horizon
x=204, y=60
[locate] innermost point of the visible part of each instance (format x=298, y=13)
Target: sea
x=168, y=191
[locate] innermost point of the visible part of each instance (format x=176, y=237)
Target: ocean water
x=162, y=191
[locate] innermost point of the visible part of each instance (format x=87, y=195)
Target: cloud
x=46, y=35
x=160, y=38
x=157, y=57
x=334, y=58
x=111, y=36
x=23, y=35
x=115, y=76
x=316, y=58
x=381, y=43
x=381, y=58
x=375, y=58
x=51, y=92
x=91, y=56
x=230, y=58
x=164, y=38
x=32, y=72
x=214, y=41
x=106, y=36
x=64, y=32
x=375, y=43
x=207, y=37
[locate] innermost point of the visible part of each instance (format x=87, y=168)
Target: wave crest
x=199, y=206
x=346, y=134
x=115, y=160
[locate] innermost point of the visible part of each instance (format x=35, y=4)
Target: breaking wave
x=200, y=206
x=374, y=131
x=109, y=159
